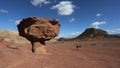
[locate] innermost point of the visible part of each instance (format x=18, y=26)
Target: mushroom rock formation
x=37, y=31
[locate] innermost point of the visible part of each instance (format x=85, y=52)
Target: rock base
x=39, y=48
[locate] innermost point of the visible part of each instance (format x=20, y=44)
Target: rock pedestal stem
x=38, y=48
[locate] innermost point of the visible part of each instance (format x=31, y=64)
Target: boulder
x=38, y=30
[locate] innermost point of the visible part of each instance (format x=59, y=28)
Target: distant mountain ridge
x=92, y=33
x=89, y=33
x=116, y=34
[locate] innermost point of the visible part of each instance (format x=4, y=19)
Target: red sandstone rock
x=38, y=30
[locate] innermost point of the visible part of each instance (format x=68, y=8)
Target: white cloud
x=64, y=8
x=39, y=2
x=3, y=11
x=47, y=2
x=72, y=19
x=96, y=24
x=98, y=15
x=114, y=31
x=75, y=34
x=17, y=22
x=72, y=35
x=61, y=36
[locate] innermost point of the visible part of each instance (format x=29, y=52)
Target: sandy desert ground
x=93, y=54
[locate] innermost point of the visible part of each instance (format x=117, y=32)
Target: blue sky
x=74, y=15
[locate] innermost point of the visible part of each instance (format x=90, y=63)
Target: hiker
x=78, y=46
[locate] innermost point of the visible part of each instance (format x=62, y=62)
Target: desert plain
x=100, y=53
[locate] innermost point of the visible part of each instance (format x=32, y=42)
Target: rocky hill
x=12, y=36
x=93, y=33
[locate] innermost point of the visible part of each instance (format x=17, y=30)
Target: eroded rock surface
x=38, y=30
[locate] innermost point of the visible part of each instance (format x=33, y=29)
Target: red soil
x=93, y=54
